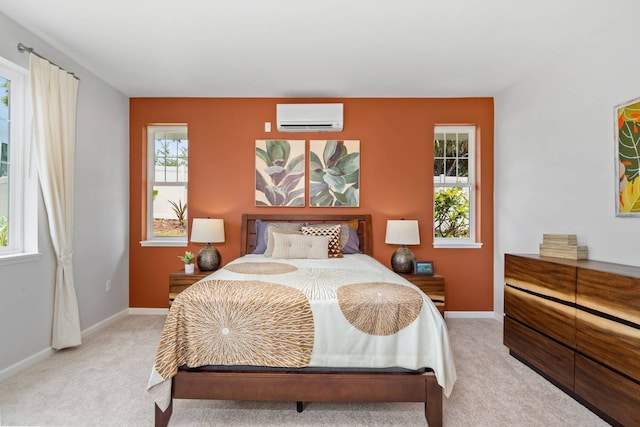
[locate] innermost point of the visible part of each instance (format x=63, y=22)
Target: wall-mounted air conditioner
x=309, y=117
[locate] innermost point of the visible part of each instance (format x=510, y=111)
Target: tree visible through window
x=454, y=184
x=4, y=160
x=168, y=178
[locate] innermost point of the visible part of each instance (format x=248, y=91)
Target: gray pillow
x=350, y=245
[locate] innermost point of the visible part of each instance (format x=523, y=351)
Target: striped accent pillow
x=300, y=246
x=275, y=230
x=333, y=231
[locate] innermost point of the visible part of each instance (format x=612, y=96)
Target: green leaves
x=334, y=173
x=180, y=210
x=629, y=157
x=451, y=213
x=4, y=231
x=187, y=258
x=335, y=180
x=629, y=149
x=284, y=175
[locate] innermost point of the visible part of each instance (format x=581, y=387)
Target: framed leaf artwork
x=334, y=173
x=627, y=144
x=280, y=173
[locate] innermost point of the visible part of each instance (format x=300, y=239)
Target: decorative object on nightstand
x=402, y=232
x=187, y=258
x=423, y=268
x=208, y=230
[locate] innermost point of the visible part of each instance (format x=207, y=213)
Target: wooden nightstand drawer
x=179, y=281
x=433, y=286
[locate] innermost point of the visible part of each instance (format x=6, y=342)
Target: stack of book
x=562, y=246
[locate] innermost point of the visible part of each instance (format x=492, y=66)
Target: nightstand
x=179, y=281
x=433, y=286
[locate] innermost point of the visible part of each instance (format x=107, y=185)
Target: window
x=454, y=186
x=167, y=185
x=18, y=187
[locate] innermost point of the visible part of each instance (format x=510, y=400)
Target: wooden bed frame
x=304, y=386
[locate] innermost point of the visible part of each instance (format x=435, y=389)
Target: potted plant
x=187, y=258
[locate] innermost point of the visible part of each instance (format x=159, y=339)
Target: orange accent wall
x=396, y=145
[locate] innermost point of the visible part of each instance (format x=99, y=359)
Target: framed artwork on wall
x=627, y=159
x=334, y=173
x=280, y=173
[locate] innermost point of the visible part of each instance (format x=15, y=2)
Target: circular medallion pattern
x=379, y=308
x=233, y=322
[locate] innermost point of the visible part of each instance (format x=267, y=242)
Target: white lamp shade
x=402, y=232
x=207, y=230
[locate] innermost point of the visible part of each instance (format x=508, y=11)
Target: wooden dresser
x=577, y=323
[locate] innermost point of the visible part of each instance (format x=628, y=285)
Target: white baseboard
x=139, y=310
x=473, y=315
x=25, y=363
x=106, y=322
x=41, y=355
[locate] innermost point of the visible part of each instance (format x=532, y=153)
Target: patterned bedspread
x=261, y=311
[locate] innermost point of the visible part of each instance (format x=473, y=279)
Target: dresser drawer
x=615, y=294
x=551, y=318
x=613, y=395
x=548, y=357
x=613, y=344
x=554, y=279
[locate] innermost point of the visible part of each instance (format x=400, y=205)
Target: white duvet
x=360, y=318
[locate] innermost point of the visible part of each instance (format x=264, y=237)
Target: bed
x=319, y=377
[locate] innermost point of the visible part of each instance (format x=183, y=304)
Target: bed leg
x=299, y=407
x=433, y=405
x=162, y=418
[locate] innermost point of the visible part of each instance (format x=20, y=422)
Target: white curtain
x=55, y=94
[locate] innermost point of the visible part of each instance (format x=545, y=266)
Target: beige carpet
x=103, y=383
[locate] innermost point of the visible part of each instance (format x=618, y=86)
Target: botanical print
x=280, y=170
x=628, y=158
x=334, y=173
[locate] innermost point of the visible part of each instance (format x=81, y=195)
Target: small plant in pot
x=188, y=258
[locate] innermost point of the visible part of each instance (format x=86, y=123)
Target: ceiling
x=320, y=48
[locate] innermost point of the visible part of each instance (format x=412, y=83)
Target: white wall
x=101, y=217
x=554, y=153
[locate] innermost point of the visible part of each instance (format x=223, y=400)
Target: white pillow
x=274, y=230
x=300, y=246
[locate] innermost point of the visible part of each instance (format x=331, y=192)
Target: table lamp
x=207, y=230
x=402, y=232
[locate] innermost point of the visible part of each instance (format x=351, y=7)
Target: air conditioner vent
x=309, y=117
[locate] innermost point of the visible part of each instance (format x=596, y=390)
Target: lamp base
x=208, y=258
x=402, y=260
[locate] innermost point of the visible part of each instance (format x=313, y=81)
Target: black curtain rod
x=22, y=49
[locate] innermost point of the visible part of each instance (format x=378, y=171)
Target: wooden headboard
x=248, y=231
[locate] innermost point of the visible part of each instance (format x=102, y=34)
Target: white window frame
x=23, y=181
x=152, y=240
x=461, y=242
